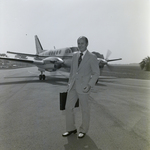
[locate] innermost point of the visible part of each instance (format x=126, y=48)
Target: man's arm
x=95, y=71
x=71, y=70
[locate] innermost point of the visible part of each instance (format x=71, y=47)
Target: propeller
x=107, y=56
x=105, y=62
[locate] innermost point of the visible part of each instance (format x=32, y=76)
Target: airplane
x=52, y=60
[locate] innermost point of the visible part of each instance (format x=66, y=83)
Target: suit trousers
x=83, y=103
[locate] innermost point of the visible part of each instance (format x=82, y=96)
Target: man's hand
x=86, y=89
x=68, y=86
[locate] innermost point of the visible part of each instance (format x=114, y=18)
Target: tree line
x=145, y=64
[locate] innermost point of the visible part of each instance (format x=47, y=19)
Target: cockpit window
x=74, y=49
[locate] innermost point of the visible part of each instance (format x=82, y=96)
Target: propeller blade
x=108, y=54
x=114, y=59
x=109, y=67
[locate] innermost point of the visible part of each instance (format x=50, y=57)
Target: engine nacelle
x=58, y=65
x=101, y=62
x=53, y=63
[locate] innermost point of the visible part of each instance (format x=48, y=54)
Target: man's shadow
x=85, y=143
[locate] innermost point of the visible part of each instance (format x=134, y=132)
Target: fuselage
x=59, y=52
x=47, y=56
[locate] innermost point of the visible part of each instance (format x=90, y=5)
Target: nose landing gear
x=42, y=76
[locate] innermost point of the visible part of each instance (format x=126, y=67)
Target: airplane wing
x=25, y=54
x=18, y=60
x=50, y=62
x=114, y=59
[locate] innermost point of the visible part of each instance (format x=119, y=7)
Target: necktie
x=80, y=59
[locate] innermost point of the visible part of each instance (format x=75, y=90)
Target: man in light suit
x=83, y=76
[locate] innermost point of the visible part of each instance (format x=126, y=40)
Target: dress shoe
x=81, y=135
x=68, y=133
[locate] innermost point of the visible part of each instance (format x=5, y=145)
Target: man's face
x=82, y=45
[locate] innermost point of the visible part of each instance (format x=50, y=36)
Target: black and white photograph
x=74, y=74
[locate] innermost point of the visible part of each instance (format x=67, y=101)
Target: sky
x=121, y=26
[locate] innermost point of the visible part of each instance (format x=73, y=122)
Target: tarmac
x=30, y=118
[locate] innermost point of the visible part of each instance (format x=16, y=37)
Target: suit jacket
x=86, y=74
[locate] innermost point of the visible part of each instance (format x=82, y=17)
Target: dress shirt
x=83, y=53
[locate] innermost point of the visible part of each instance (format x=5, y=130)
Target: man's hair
x=85, y=38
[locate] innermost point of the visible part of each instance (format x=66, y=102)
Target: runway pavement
x=30, y=118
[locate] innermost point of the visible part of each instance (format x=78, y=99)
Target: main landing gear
x=42, y=76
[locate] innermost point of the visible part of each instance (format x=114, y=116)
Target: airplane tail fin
x=39, y=48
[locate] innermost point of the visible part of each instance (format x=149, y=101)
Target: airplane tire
x=43, y=77
x=40, y=77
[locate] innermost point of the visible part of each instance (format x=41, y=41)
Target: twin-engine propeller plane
x=52, y=60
